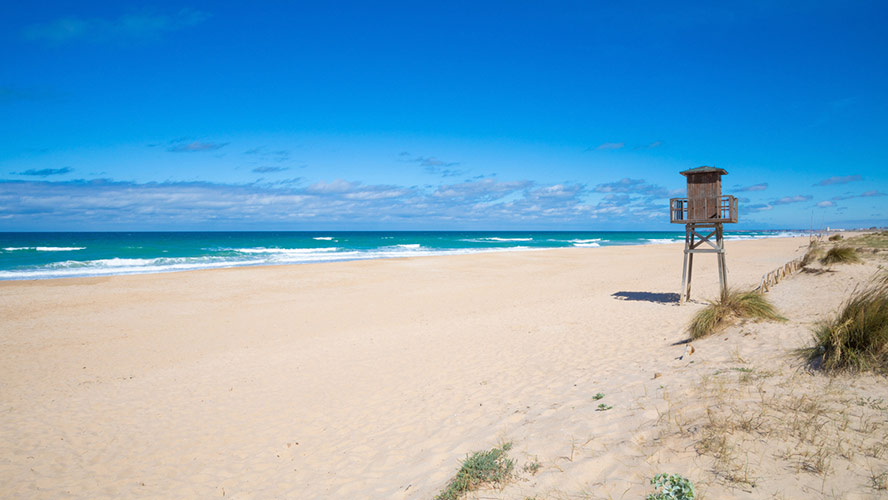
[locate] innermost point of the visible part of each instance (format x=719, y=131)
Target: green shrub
x=835, y=237
x=480, y=468
x=672, y=487
x=857, y=338
x=733, y=305
x=840, y=255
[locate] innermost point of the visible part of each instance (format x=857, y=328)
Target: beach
x=375, y=378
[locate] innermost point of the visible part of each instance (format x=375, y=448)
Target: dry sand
x=374, y=379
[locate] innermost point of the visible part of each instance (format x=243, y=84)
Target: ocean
x=26, y=256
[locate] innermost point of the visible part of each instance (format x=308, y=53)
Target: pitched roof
x=705, y=170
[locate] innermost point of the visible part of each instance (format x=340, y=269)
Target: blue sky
x=438, y=115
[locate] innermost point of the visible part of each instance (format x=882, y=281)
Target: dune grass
x=835, y=237
x=734, y=305
x=811, y=255
x=857, y=338
x=815, y=250
x=478, y=469
x=877, y=240
x=840, y=255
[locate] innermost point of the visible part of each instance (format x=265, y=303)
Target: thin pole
x=691, y=263
x=722, y=272
x=684, y=268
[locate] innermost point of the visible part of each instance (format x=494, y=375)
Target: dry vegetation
x=492, y=467
x=821, y=426
x=857, y=338
x=733, y=306
x=871, y=241
x=850, y=250
x=840, y=255
x=759, y=427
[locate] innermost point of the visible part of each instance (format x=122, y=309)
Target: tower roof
x=704, y=170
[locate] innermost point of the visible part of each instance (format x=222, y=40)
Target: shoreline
x=454, y=252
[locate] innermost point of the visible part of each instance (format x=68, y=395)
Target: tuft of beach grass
x=478, y=469
x=840, y=255
x=735, y=304
x=811, y=255
x=857, y=338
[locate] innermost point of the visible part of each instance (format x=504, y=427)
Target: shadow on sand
x=659, y=298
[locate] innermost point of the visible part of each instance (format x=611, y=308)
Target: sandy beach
x=374, y=379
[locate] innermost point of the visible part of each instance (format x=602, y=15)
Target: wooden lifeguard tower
x=704, y=209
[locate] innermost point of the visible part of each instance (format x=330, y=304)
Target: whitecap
x=292, y=251
x=494, y=239
x=119, y=266
x=45, y=249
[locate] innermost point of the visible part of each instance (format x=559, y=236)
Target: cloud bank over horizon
x=109, y=203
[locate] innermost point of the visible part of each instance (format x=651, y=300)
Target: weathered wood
x=704, y=208
x=722, y=209
x=694, y=240
x=773, y=277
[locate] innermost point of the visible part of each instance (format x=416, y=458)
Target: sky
x=514, y=115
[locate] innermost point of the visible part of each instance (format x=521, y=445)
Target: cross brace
x=693, y=241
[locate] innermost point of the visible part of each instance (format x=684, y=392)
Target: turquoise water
x=61, y=255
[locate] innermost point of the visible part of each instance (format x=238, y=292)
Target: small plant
x=733, y=305
x=835, y=237
x=857, y=338
x=672, y=487
x=598, y=396
x=880, y=481
x=478, y=469
x=840, y=255
x=603, y=407
x=875, y=404
x=532, y=467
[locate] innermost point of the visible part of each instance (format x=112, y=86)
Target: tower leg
x=692, y=229
x=687, y=265
x=722, y=267
x=684, y=277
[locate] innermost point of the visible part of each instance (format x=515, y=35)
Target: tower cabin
x=705, y=208
x=705, y=203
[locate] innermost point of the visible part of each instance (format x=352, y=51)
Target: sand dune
x=370, y=379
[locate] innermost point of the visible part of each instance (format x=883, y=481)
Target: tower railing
x=725, y=210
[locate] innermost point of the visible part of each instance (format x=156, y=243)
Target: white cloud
x=839, y=180
x=755, y=187
x=786, y=200
x=183, y=146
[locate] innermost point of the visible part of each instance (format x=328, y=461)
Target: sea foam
x=45, y=249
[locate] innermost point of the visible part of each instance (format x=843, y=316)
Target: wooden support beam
x=713, y=242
